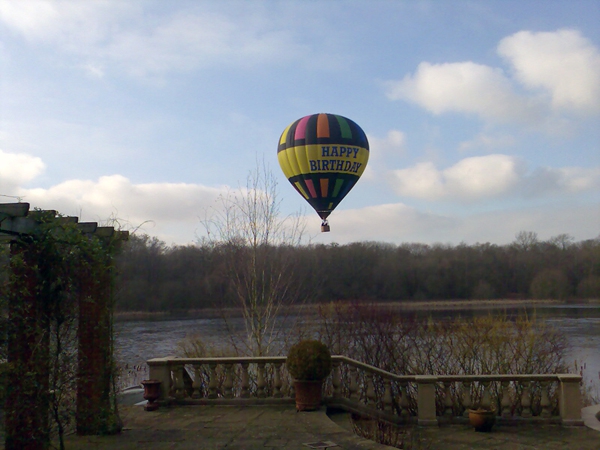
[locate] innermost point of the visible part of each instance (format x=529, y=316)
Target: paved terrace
x=281, y=427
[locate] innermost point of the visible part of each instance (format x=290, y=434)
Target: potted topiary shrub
x=309, y=363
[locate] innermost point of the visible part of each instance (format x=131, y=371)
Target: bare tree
x=526, y=240
x=256, y=240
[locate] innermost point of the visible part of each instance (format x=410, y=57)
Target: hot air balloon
x=323, y=156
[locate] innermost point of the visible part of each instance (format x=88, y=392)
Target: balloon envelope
x=323, y=156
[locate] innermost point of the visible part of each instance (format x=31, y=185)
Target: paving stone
x=280, y=427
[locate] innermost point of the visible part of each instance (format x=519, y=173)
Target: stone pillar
x=570, y=399
x=96, y=408
x=27, y=391
x=426, y=400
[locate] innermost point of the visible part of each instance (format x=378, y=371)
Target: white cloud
x=32, y=18
x=393, y=142
x=484, y=177
x=421, y=181
x=577, y=179
x=17, y=169
x=464, y=87
x=559, y=71
x=487, y=142
x=172, y=208
x=72, y=24
x=563, y=63
x=469, y=179
x=109, y=194
x=113, y=34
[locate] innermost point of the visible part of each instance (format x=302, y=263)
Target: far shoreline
x=418, y=305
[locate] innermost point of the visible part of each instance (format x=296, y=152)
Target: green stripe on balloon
x=338, y=186
x=344, y=127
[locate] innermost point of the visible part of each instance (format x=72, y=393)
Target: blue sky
x=482, y=116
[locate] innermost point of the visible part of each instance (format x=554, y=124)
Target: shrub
x=309, y=360
x=392, y=340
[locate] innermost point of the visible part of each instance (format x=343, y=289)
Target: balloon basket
x=325, y=228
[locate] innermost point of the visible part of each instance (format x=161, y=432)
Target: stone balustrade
x=363, y=389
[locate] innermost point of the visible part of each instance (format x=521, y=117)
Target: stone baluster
x=336, y=380
x=285, y=384
x=545, y=400
x=179, y=383
x=486, y=399
x=260, y=381
x=526, y=399
x=277, y=381
x=387, y=395
x=466, y=397
x=245, y=388
x=370, y=394
x=404, y=412
x=448, y=400
x=228, y=383
x=292, y=390
x=212, y=381
x=505, y=403
x=197, y=384
x=172, y=381
x=353, y=383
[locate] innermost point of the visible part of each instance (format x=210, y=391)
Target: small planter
x=482, y=419
x=151, y=393
x=308, y=394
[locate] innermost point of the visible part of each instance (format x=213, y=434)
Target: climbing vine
x=56, y=273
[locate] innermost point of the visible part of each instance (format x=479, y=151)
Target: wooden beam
x=87, y=227
x=17, y=225
x=103, y=232
x=67, y=219
x=14, y=209
x=39, y=214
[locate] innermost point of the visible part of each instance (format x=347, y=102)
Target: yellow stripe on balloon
x=292, y=161
x=301, y=189
x=283, y=137
x=285, y=165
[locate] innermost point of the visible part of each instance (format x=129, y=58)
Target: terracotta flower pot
x=151, y=393
x=308, y=394
x=482, y=419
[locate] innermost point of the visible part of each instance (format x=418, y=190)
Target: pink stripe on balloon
x=301, y=128
x=311, y=188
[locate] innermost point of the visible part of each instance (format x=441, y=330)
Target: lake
x=138, y=341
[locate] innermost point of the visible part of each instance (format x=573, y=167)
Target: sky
x=482, y=116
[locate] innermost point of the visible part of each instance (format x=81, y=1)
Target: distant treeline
x=157, y=277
